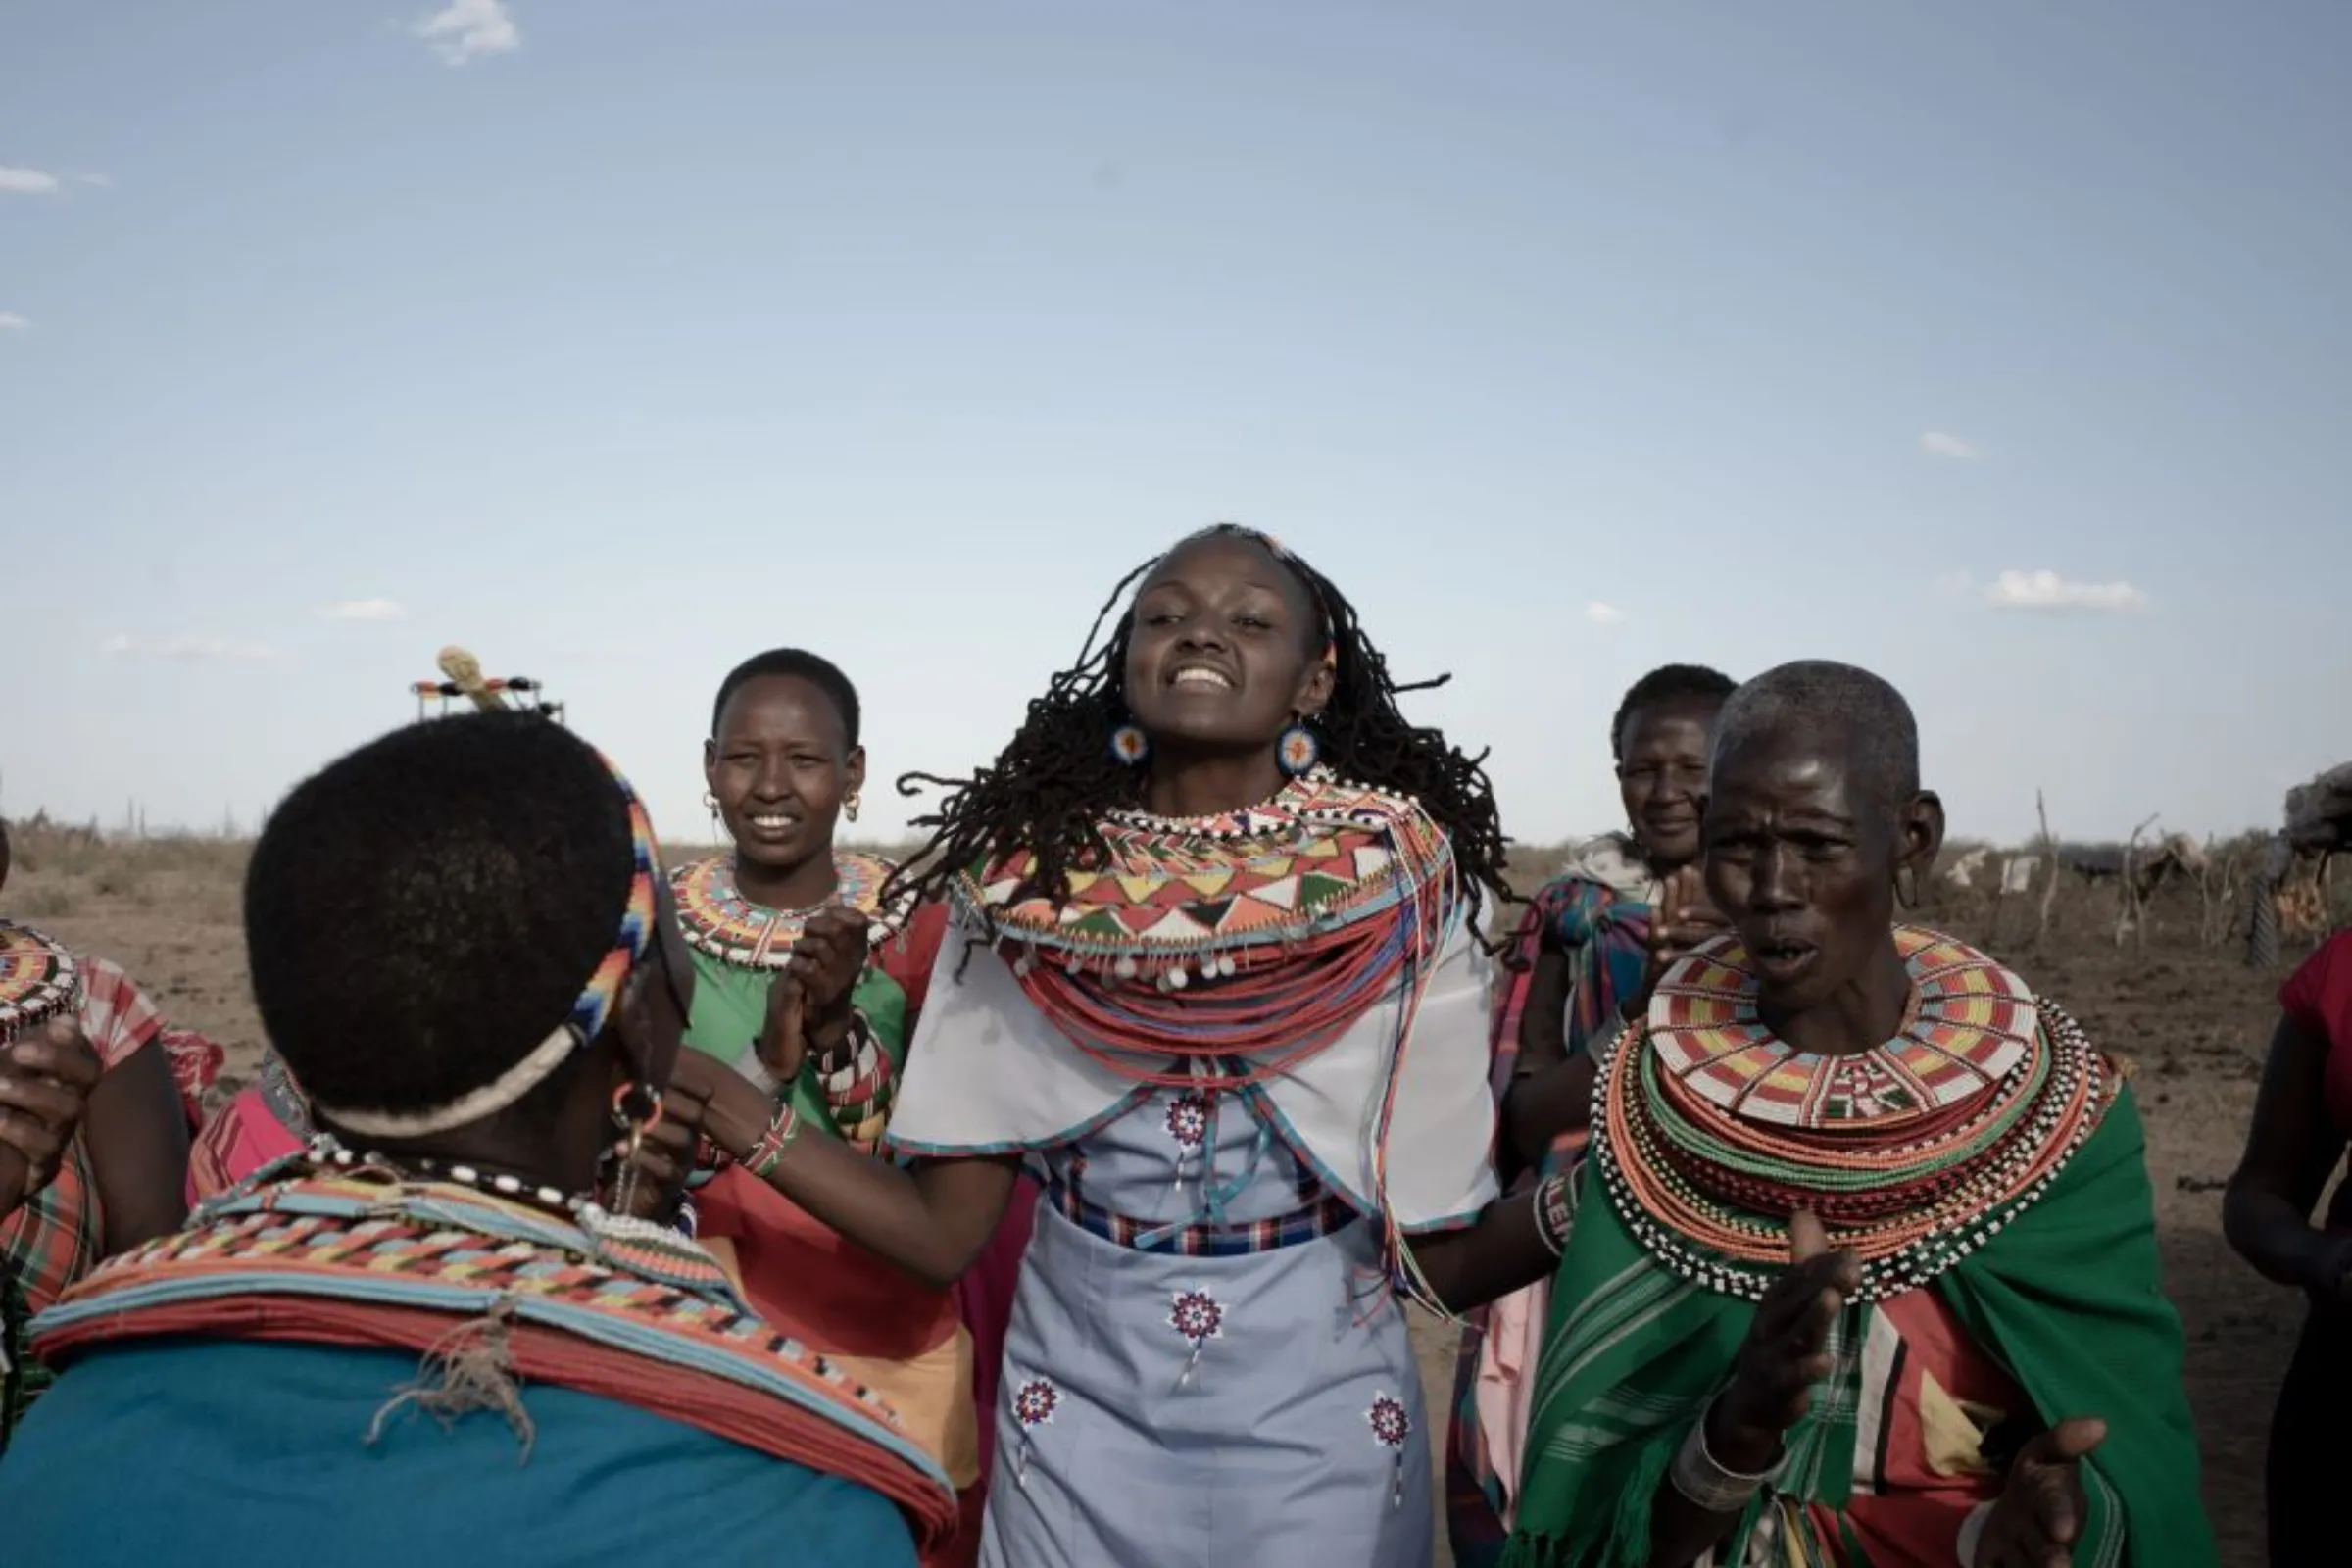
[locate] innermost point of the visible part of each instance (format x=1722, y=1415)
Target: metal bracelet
x=755, y=1069
x=1706, y=1482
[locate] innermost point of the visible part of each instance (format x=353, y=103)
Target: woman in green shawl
x=1864, y=1268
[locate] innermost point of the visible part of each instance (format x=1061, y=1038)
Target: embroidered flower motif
x=1390, y=1422
x=1035, y=1402
x=1198, y=1316
x=1187, y=1118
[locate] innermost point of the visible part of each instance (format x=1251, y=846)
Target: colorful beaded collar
x=1970, y=1023
x=1710, y=1132
x=717, y=919
x=1183, y=898
x=38, y=980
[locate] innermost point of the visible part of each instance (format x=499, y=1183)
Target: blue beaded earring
x=1297, y=748
x=1129, y=745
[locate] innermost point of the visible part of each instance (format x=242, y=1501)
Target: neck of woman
x=1207, y=786
x=566, y=1163
x=801, y=886
x=1860, y=1016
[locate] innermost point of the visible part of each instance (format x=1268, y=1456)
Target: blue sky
x=618, y=341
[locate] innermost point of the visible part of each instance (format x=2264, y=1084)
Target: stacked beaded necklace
x=1712, y=1130
x=717, y=919
x=1238, y=945
x=38, y=981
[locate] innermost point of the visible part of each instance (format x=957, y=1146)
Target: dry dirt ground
x=2191, y=1019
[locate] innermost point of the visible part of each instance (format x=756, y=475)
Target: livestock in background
x=2318, y=827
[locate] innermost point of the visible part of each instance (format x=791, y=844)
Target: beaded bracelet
x=1555, y=1211
x=1706, y=1482
x=768, y=1152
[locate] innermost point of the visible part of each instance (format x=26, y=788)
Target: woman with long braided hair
x=1215, y=974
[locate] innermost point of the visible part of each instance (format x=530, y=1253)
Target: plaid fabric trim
x=116, y=1014
x=55, y=1237
x=1236, y=1240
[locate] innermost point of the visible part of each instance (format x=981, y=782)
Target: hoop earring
x=717, y=828
x=1298, y=749
x=637, y=1111
x=1129, y=745
x=848, y=806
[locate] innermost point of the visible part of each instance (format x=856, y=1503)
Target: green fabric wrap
x=2068, y=1297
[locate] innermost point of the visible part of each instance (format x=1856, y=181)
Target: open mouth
x=772, y=825
x=1782, y=960
x=1200, y=677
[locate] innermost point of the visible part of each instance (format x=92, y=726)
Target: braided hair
x=1050, y=787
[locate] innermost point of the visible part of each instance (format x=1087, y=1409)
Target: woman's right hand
x=2329, y=1282
x=45, y=1084
x=1786, y=1352
x=1682, y=920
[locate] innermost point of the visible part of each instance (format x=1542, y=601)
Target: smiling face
x=1662, y=775
x=1225, y=649
x=779, y=767
x=1801, y=860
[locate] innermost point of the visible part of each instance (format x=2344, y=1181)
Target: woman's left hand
x=826, y=962
x=2042, y=1510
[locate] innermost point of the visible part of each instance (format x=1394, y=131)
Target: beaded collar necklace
x=38, y=980
x=1709, y=1132
x=1179, y=900
x=717, y=921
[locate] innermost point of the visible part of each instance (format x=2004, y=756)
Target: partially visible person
x=1580, y=956
x=1864, y=1268
x=2302, y=1120
x=462, y=944
x=784, y=764
x=118, y=1176
x=47, y=1070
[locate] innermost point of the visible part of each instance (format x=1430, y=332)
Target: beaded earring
x=710, y=801
x=1129, y=745
x=1298, y=749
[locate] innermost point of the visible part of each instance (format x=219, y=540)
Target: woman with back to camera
x=1865, y=1268
x=1584, y=951
x=1214, y=971
x=429, y=1338
x=2302, y=1116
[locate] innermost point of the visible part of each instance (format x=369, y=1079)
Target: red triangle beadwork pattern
x=1320, y=854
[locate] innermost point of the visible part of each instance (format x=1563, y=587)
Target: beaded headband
x=588, y=1015
x=38, y=981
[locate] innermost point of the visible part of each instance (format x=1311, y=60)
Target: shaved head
x=1821, y=702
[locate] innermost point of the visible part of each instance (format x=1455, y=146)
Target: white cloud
x=27, y=182
x=1600, y=615
x=464, y=29
x=2046, y=590
x=365, y=609
x=1940, y=444
x=11, y=321
x=189, y=650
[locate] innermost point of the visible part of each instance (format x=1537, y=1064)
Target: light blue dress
x=1200, y=1412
